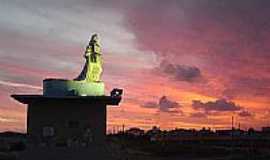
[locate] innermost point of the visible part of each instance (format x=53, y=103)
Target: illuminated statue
x=93, y=67
x=88, y=83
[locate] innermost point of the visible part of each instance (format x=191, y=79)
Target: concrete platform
x=63, y=87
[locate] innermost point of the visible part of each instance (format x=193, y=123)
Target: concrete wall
x=70, y=120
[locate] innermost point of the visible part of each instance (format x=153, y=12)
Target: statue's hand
x=87, y=54
x=87, y=51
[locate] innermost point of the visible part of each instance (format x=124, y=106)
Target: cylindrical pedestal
x=62, y=87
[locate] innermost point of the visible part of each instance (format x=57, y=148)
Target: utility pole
x=123, y=128
x=232, y=137
x=232, y=122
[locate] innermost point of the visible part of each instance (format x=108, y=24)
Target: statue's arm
x=88, y=51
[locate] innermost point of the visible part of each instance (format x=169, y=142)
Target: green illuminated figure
x=88, y=83
x=93, y=67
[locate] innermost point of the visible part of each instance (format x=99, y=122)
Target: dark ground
x=133, y=148
x=140, y=148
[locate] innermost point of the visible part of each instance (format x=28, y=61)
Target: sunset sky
x=181, y=63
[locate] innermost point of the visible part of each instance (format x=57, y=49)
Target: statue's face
x=95, y=38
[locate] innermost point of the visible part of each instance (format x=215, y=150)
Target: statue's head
x=94, y=38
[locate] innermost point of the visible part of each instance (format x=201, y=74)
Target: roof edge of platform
x=27, y=99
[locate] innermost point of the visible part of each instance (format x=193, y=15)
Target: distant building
x=266, y=129
x=154, y=133
x=205, y=132
x=230, y=132
x=225, y=132
x=135, y=132
x=182, y=133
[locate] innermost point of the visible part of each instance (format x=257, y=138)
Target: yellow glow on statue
x=93, y=67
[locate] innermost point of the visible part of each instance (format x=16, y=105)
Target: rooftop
x=109, y=100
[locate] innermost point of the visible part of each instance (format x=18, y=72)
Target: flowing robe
x=93, y=66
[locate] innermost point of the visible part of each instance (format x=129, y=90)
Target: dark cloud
x=248, y=85
x=245, y=113
x=220, y=105
x=224, y=38
x=164, y=105
x=177, y=18
x=181, y=72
